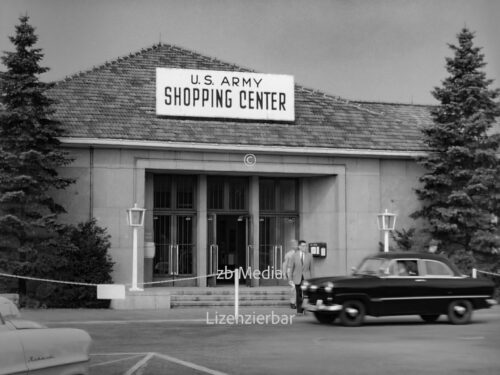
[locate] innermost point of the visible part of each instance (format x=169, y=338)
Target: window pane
x=267, y=195
x=162, y=191
x=215, y=193
x=434, y=268
x=185, y=192
x=185, y=244
x=163, y=240
x=404, y=268
x=267, y=241
x=237, y=198
x=287, y=195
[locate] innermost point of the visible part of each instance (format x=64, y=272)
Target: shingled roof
x=117, y=101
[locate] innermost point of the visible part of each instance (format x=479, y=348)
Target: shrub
x=80, y=254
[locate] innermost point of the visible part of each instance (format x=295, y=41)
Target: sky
x=370, y=50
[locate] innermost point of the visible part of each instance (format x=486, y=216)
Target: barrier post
x=474, y=273
x=236, y=294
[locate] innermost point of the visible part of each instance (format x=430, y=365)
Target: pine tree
x=461, y=188
x=29, y=155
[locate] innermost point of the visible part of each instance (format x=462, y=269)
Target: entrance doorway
x=228, y=244
x=275, y=235
x=174, y=242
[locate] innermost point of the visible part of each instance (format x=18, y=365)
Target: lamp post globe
x=386, y=223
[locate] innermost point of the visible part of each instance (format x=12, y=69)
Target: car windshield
x=372, y=266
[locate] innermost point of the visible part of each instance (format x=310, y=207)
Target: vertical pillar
x=149, y=228
x=341, y=182
x=140, y=187
x=253, y=203
x=201, y=231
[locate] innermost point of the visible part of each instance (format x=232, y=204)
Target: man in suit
x=299, y=269
x=294, y=247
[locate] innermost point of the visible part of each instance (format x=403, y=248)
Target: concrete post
x=254, y=211
x=201, y=231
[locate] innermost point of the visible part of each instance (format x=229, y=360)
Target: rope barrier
x=129, y=284
x=47, y=280
x=161, y=281
x=186, y=278
x=488, y=273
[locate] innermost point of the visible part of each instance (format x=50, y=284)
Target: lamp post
x=387, y=223
x=135, y=219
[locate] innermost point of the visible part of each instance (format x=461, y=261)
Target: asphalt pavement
x=206, y=341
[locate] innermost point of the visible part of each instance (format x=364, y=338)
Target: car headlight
x=328, y=287
x=304, y=285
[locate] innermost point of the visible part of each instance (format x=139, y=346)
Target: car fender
x=55, y=347
x=342, y=297
x=11, y=352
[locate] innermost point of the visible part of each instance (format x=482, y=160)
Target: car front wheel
x=353, y=313
x=430, y=318
x=325, y=317
x=460, y=311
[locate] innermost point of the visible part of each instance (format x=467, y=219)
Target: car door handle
x=420, y=280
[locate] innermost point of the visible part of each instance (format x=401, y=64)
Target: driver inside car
x=402, y=271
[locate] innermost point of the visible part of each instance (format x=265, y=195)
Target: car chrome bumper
x=491, y=302
x=320, y=306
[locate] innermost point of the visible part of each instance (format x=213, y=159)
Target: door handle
x=170, y=259
x=216, y=258
x=212, y=259
x=176, y=247
x=420, y=280
x=280, y=258
x=210, y=264
x=249, y=247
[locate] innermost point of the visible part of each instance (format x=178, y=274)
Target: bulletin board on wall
x=318, y=249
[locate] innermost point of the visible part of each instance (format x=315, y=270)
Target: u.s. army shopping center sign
x=220, y=94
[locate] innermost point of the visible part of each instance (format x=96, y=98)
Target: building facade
x=232, y=192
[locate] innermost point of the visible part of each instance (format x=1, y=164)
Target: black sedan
x=398, y=284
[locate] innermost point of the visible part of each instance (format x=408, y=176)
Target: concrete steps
x=186, y=304
x=157, y=298
x=212, y=297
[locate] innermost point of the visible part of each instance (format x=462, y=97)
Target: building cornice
x=215, y=147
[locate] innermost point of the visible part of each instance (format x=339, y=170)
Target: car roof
x=416, y=255
x=407, y=255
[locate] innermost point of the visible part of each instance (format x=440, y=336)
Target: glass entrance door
x=275, y=234
x=174, y=244
x=227, y=246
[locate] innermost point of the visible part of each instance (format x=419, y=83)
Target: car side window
x=436, y=268
x=404, y=267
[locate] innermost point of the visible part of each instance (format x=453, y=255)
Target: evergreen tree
x=29, y=155
x=461, y=188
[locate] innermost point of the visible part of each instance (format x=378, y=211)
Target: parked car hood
x=25, y=324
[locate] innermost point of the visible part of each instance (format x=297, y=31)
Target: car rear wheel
x=430, y=318
x=353, y=313
x=325, y=317
x=460, y=311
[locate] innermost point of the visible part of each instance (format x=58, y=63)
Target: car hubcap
x=352, y=311
x=460, y=310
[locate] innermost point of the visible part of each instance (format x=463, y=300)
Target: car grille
x=312, y=296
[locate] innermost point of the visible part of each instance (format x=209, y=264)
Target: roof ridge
x=207, y=57
x=148, y=49
x=107, y=63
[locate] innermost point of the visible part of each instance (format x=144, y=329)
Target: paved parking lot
x=181, y=342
